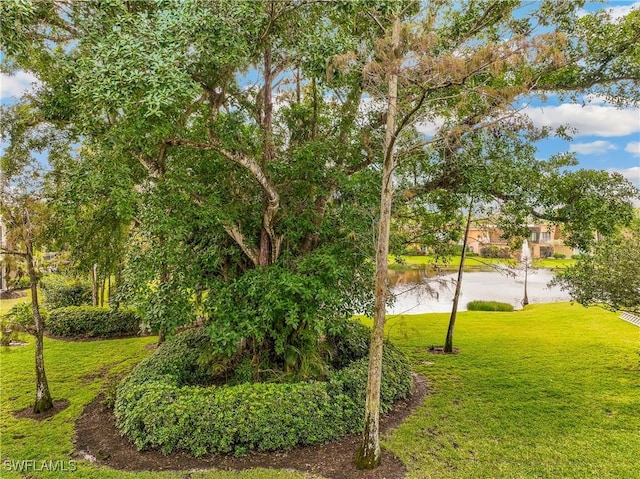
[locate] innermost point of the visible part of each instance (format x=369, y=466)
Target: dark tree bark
x=448, y=344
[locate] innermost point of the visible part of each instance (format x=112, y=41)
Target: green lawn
x=7, y=304
x=476, y=262
x=549, y=392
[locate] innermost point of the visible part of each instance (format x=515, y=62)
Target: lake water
x=418, y=292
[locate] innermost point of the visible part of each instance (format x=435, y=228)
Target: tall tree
x=469, y=63
x=608, y=276
x=369, y=454
x=25, y=211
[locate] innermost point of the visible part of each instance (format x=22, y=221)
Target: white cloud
x=593, y=147
x=616, y=12
x=633, y=148
x=632, y=174
x=430, y=127
x=15, y=85
x=622, y=10
x=597, y=120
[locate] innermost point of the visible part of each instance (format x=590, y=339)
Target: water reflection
x=427, y=290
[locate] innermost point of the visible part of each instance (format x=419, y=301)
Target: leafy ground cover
x=548, y=392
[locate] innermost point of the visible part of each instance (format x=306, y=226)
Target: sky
x=605, y=138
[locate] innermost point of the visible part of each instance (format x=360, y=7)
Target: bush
x=90, y=322
x=578, y=256
x=19, y=282
x=489, y=306
x=494, y=252
x=559, y=255
x=60, y=292
x=165, y=412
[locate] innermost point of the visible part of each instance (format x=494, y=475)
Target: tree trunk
x=448, y=344
x=94, y=285
x=368, y=456
x=102, y=284
x=43, y=396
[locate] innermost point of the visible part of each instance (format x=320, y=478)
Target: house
x=544, y=240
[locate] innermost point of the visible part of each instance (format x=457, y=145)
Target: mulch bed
x=98, y=439
x=27, y=413
x=13, y=294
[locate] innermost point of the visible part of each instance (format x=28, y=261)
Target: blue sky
x=606, y=137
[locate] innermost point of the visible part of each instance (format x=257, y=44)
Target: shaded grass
x=552, y=391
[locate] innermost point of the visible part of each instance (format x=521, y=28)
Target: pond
x=420, y=291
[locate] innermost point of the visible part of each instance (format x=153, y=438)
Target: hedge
x=165, y=412
x=489, y=306
x=90, y=321
x=60, y=292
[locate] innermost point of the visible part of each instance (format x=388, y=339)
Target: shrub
x=559, y=255
x=489, y=306
x=90, y=321
x=494, y=252
x=578, y=256
x=156, y=406
x=60, y=292
x=19, y=282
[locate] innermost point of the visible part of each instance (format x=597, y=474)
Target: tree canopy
x=229, y=153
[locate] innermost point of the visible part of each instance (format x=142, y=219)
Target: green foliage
x=92, y=322
x=609, y=276
x=21, y=282
x=494, y=252
x=19, y=318
x=489, y=306
x=160, y=406
x=177, y=357
x=60, y=291
x=350, y=342
x=559, y=255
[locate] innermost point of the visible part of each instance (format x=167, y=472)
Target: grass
x=473, y=263
x=7, y=304
x=548, y=392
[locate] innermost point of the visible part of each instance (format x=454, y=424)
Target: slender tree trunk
x=43, y=396
x=265, y=255
x=94, y=285
x=369, y=454
x=102, y=284
x=448, y=344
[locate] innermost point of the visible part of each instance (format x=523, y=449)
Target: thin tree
x=25, y=218
x=448, y=344
x=368, y=456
